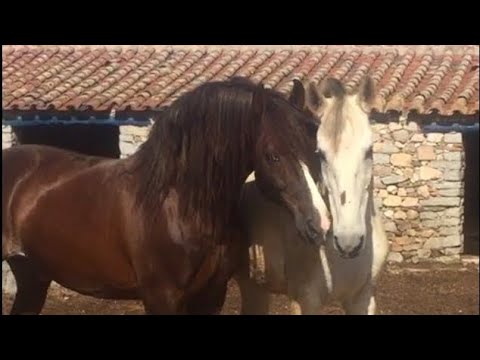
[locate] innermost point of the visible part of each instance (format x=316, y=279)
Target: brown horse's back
x=41, y=187
x=24, y=164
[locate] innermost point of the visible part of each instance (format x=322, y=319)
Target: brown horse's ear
x=297, y=96
x=366, y=91
x=258, y=101
x=313, y=99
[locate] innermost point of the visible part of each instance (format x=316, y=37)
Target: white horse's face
x=344, y=142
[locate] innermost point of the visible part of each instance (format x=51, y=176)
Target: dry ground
x=416, y=289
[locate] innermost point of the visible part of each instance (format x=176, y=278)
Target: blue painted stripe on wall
x=434, y=127
x=72, y=121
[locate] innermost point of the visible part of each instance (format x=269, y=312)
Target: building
x=99, y=100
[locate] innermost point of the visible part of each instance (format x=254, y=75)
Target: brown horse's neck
x=202, y=146
x=210, y=192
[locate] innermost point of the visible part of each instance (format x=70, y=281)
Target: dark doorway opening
x=471, y=202
x=97, y=140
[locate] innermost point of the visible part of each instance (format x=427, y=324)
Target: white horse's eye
x=320, y=155
x=369, y=153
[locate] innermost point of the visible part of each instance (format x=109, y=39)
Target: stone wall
x=8, y=138
x=419, y=185
x=131, y=137
x=9, y=285
x=8, y=282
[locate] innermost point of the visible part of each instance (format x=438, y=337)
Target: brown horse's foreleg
x=255, y=298
x=31, y=289
x=160, y=300
x=208, y=301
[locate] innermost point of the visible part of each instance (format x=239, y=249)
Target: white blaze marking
x=326, y=269
x=250, y=177
x=317, y=200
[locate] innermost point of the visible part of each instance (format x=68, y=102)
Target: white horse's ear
x=366, y=91
x=332, y=88
x=313, y=99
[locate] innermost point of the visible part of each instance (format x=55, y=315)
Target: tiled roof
x=62, y=78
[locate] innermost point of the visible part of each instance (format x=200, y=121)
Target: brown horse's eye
x=272, y=158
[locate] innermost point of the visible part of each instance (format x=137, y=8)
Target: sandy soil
x=416, y=289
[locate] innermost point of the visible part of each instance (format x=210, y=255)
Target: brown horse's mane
x=203, y=144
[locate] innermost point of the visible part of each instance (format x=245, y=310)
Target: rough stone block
x=434, y=137
x=393, y=179
x=453, y=138
x=441, y=201
x=401, y=159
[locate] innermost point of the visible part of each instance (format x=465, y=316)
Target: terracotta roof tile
x=362, y=66
x=441, y=79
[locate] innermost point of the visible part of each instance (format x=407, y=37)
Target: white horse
x=345, y=268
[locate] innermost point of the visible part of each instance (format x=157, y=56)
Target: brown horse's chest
x=218, y=265
x=211, y=255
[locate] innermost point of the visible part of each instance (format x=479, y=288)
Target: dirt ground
x=416, y=289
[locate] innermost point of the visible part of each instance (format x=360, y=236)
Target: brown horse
x=161, y=225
